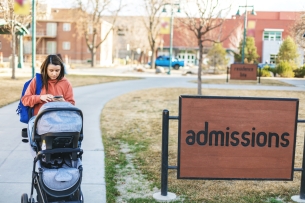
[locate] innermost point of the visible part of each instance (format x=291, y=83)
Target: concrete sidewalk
x=16, y=160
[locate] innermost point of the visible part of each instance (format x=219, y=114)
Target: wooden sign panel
x=236, y=138
x=243, y=72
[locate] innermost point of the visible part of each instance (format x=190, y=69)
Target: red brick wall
x=272, y=20
x=6, y=48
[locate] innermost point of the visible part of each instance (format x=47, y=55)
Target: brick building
x=57, y=33
x=268, y=28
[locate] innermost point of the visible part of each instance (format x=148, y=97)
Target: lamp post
x=33, y=37
x=171, y=4
x=245, y=28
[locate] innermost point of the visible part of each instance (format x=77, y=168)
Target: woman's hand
x=46, y=97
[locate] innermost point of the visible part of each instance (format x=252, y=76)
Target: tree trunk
x=93, y=58
x=13, y=52
x=93, y=50
x=141, y=57
x=132, y=57
x=153, y=62
x=153, y=57
x=200, y=67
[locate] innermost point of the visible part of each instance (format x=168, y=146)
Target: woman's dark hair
x=55, y=60
x=59, y=55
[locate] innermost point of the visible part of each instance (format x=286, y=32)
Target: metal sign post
x=164, y=195
x=259, y=75
x=228, y=70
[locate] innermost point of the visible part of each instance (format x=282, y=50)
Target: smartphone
x=57, y=97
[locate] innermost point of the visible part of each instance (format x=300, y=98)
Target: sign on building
x=243, y=72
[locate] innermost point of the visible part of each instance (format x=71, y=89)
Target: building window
x=121, y=32
x=51, y=47
x=272, y=36
x=273, y=58
x=51, y=29
x=66, y=27
x=66, y=45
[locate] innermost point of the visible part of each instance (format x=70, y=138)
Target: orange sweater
x=62, y=87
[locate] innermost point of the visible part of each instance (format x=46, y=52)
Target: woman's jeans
x=30, y=131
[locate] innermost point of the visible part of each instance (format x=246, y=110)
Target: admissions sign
x=236, y=137
x=243, y=72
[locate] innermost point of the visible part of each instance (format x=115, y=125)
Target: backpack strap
x=37, y=91
x=38, y=83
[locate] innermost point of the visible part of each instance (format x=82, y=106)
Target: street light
x=171, y=4
x=33, y=36
x=245, y=28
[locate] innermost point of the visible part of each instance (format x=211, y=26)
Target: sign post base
x=170, y=196
x=297, y=198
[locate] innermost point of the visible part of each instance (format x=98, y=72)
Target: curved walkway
x=16, y=160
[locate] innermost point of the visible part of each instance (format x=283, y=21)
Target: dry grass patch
x=264, y=81
x=136, y=119
x=82, y=80
x=11, y=89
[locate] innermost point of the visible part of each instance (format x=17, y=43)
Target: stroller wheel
x=81, y=197
x=24, y=198
x=78, y=195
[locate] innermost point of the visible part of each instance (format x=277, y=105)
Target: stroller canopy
x=58, y=121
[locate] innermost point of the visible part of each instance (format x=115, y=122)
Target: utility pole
x=33, y=37
x=245, y=29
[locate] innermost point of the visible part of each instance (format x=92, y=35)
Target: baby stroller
x=55, y=139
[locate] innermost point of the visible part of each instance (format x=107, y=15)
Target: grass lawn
x=131, y=126
x=11, y=89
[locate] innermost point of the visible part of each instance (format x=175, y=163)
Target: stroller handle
x=58, y=150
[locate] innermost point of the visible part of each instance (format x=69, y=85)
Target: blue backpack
x=26, y=112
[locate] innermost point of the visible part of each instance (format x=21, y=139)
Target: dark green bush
x=265, y=72
x=285, y=69
x=299, y=72
x=273, y=70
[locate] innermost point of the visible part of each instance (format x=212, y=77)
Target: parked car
x=164, y=62
x=262, y=65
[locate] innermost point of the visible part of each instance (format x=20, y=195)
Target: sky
x=134, y=6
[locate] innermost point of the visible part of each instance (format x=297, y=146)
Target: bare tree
x=234, y=40
x=13, y=21
x=136, y=36
x=236, y=37
x=89, y=20
x=204, y=19
x=152, y=24
x=298, y=30
x=130, y=30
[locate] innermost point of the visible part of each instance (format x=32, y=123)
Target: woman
x=55, y=87
x=54, y=84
